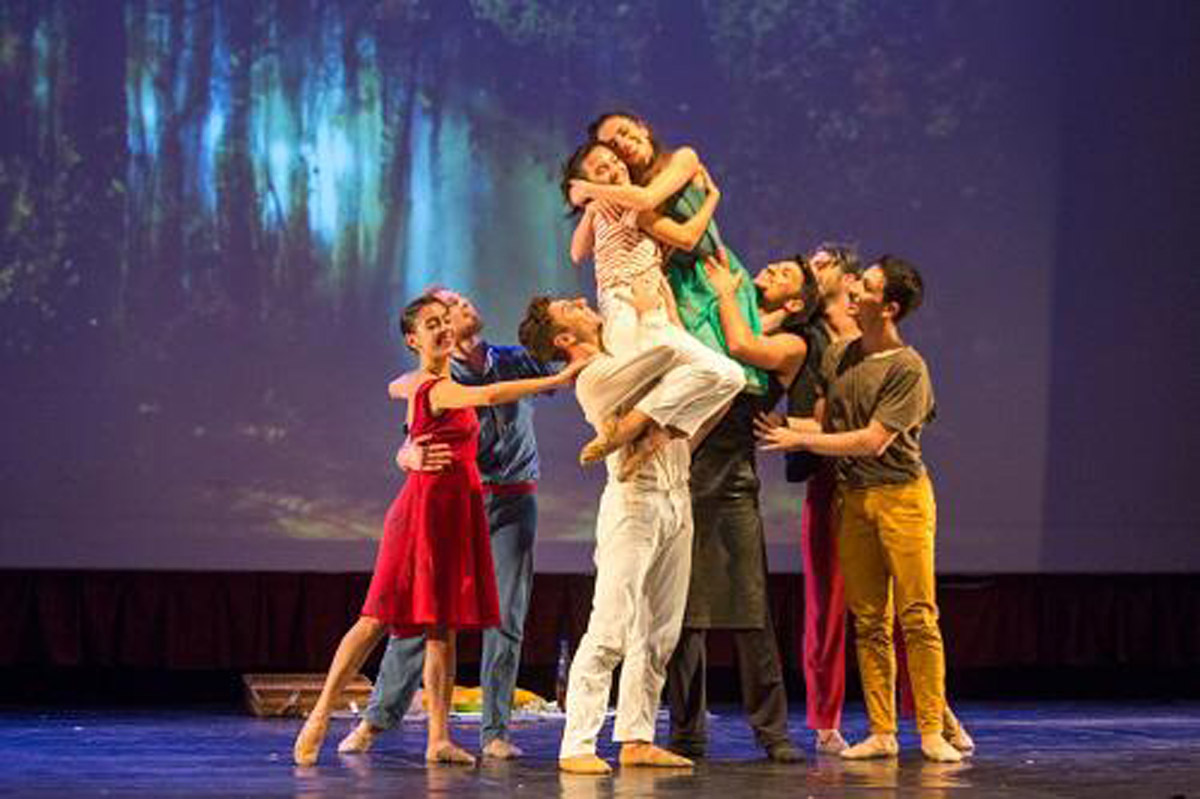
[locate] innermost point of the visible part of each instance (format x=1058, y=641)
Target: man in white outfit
x=644, y=527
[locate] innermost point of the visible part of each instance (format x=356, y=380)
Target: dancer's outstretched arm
x=681, y=167
x=448, y=394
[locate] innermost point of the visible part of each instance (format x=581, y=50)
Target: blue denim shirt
x=507, y=446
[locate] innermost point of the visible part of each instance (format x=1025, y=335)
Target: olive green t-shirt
x=892, y=387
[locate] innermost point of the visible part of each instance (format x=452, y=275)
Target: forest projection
x=212, y=210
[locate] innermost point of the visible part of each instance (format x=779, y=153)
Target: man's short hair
x=902, y=284
x=538, y=330
x=845, y=255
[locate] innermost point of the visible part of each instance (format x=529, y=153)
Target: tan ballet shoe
x=956, y=734
x=500, y=749
x=872, y=747
x=647, y=754
x=449, y=754
x=830, y=742
x=307, y=747
x=601, y=446
x=584, y=764
x=937, y=749
x=358, y=740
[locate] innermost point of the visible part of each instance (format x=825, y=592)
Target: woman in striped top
x=630, y=286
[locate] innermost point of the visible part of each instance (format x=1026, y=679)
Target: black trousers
x=764, y=696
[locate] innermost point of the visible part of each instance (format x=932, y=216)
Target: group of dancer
x=678, y=372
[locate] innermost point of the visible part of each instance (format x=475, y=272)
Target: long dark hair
x=572, y=169
x=636, y=172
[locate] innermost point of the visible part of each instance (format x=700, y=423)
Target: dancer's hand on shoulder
x=422, y=454
x=569, y=372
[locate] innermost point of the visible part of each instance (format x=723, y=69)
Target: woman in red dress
x=433, y=574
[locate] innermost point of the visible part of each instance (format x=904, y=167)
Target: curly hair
x=538, y=329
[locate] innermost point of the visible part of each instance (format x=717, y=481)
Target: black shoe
x=784, y=753
x=689, y=749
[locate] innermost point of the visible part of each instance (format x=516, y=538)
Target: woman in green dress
x=672, y=181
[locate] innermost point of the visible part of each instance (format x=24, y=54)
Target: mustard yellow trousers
x=885, y=547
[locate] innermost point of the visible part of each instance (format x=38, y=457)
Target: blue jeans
x=512, y=523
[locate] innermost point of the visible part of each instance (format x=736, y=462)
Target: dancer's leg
x=869, y=596
x=687, y=695
x=512, y=523
x=624, y=550
x=397, y=682
x=655, y=632
x=764, y=695
x=439, y=688
x=906, y=521
x=355, y=645
x=824, y=637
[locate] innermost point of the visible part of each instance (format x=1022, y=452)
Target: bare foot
x=601, y=446
x=500, y=749
x=450, y=754
x=935, y=748
x=830, y=742
x=584, y=764
x=308, y=741
x=359, y=740
x=874, y=746
x=647, y=754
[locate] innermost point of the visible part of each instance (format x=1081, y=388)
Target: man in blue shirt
x=508, y=464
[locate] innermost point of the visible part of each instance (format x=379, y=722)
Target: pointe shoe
x=937, y=749
x=957, y=736
x=584, y=764
x=871, y=748
x=449, y=754
x=500, y=749
x=308, y=741
x=647, y=754
x=830, y=742
x=358, y=740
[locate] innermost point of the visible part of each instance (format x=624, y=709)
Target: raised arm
x=679, y=169
x=683, y=235
x=782, y=353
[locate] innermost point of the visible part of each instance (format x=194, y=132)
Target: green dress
x=698, y=309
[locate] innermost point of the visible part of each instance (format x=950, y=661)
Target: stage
x=1024, y=750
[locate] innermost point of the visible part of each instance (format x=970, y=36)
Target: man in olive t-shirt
x=877, y=397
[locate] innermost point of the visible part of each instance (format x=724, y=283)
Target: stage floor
x=1127, y=750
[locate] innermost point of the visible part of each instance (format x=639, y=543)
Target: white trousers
x=643, y=563
x=698, y=383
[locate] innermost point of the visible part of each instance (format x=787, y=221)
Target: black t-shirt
x=803, y=395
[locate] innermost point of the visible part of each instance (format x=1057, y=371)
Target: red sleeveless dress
x=434, y=566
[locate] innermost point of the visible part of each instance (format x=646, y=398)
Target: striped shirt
x=623, y=253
